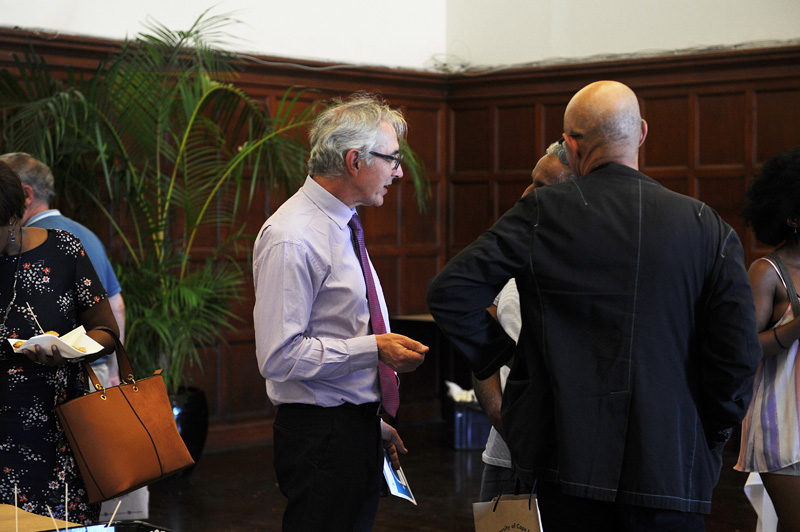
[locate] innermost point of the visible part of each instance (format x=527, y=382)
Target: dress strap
x=769, y=260
x=786, y=278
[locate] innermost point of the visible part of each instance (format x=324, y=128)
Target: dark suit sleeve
x=459, y=295
x=730, y=350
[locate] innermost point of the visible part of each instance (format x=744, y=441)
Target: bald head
x=603, y=124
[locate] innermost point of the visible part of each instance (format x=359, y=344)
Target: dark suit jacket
x=638, y=344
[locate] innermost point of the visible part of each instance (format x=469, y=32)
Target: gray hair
x=557, y=148
x=33, y=173
x=346, y=125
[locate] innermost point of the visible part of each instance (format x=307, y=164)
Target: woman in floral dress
x=47, y=283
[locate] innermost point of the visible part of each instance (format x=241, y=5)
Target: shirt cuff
x=363, y=352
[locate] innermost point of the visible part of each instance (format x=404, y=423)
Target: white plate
x=67, y=344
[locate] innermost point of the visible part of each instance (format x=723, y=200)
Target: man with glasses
x=638, y=343
x=322, y=338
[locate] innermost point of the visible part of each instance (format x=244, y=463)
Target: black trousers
x=329, y=463
x=563, y=513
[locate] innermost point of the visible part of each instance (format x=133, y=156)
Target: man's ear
x=29, y=196
x=352, y=161
x=644, y=132
x=571, y=144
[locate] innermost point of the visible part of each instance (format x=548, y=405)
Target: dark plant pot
x=190, y=408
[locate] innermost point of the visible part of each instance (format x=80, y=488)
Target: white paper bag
x=134, y=506
x=758, y=497
x=511, y=513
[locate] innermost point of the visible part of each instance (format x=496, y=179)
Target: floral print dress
x=58, y=281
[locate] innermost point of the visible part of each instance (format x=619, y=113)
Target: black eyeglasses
x=573, y=135
x=396, y=159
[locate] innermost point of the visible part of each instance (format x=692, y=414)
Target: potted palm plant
x=162, y=144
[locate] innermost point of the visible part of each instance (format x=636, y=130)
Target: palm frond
x=160, y=141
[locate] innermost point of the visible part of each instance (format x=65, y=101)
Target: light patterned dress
x=58, y=281
x=771, y=428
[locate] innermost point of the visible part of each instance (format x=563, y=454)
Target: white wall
x=481, y=33
x=424, y=34
x=378, y=32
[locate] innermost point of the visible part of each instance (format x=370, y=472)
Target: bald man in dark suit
x=638, y=344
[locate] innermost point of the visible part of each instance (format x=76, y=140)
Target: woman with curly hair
x=771, y=428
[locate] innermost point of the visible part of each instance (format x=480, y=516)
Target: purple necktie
x=390, y=398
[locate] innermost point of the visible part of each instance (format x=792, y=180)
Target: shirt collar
x=327, y=202
x=42, y=215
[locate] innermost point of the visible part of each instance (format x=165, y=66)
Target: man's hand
x=399, y=352
x=392, y=443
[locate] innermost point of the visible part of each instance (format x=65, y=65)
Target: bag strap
x=517, y=485
x=787, y=278
x=125, y=369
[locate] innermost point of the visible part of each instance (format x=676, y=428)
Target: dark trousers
x=562, y=513
x=497, y=480
x=328, y=462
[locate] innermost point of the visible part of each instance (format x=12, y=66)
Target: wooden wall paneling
x=517, y=148
x=471, y=134
x=387, y=264
x=424, y=133
x=714, y=118
x=724, y=193
x=552, y=124
x=421, y=249
x=81, y=54
x=422, y=228
x=777, y=121
x=470, y=194
x=749, y=159
x=668, y=138
x=418, y=268
x=207, y=377
x=516, y=138
x=667, y=153
x=245, y=390
x=723, y=159
x=470, y=209
x=722, y=128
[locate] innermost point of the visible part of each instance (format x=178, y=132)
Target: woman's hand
x=40, y=355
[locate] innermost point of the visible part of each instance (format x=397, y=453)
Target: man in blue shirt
x=37, y=181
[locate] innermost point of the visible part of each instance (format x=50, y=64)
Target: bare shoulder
x=762, y=268
x=764, y=278
x=768, y=291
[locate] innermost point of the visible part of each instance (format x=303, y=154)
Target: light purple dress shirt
x=313, y=339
